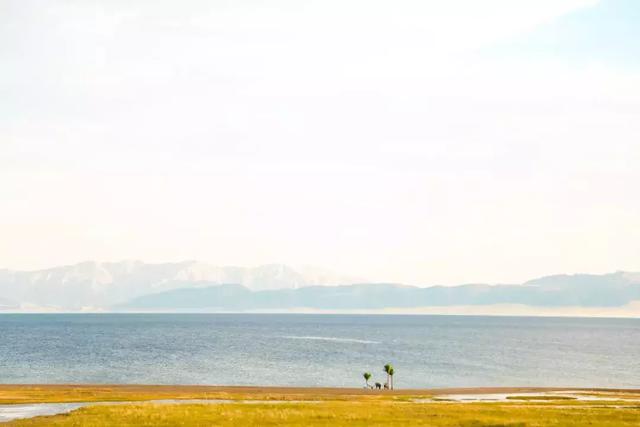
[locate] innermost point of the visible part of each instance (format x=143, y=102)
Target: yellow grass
x=117, y=393
x=355, y=413
x=314, y=407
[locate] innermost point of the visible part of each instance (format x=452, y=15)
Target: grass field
x=324, y=408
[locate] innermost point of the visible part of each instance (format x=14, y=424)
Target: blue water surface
x=318, y=350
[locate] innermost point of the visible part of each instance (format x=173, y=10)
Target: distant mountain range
x=194, y=286
x=611, y=290
x=103, y=284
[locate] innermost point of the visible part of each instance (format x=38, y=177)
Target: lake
x=319, y=350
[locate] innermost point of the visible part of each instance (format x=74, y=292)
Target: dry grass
x=93, y=393
x=332, y=407
x=118, y=393
x=356, y=413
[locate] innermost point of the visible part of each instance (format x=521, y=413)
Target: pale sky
x=424, y=142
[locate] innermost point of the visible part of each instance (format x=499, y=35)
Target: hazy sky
x=428, y=142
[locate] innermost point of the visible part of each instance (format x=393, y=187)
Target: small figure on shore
x=378, y=386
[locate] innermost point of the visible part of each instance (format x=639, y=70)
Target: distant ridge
x=196, y=286
x=611, y=290
x=102, y=284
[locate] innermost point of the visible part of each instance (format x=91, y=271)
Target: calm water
x=326, y=350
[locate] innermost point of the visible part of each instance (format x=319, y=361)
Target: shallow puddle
x=18, y=411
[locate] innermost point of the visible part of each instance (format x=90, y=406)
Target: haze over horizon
x=309, y=270
x=398, y=141
x=193, y=286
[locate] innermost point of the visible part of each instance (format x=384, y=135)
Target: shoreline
x=257, y=390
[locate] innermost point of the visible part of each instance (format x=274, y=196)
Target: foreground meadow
x=376, y=413
x=313, y=407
